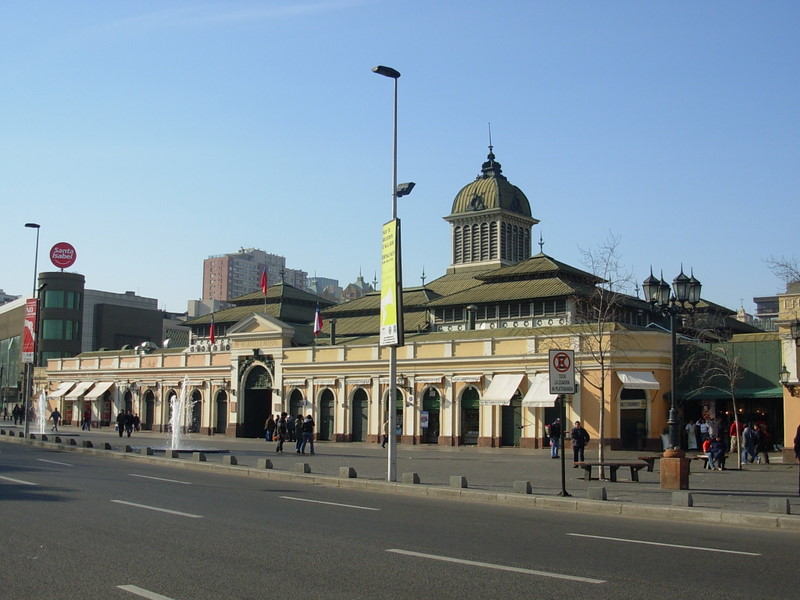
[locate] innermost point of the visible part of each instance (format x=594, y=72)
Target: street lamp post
x=29, y=366
x=685, y=291
x=391, y=469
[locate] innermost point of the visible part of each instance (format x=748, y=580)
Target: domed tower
x=490, y=222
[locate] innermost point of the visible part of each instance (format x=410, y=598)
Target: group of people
x=127, y=422
x=580, y=437
x=18, y=413
x=294, y=429
x=753, y=440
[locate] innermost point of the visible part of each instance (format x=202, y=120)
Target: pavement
x=758, y=495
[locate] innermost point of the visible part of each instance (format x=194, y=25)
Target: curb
x=572, y=504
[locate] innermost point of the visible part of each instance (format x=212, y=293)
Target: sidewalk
x=492, y=471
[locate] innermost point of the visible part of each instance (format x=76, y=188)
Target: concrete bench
x=650, y=461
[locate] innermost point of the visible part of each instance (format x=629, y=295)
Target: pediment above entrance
x=259, y=326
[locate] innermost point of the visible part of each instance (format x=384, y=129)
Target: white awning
x=638, y=380
x=502, y=388
x=61, y=389
x=98, y=390
x=79, y=390
x=539, y=393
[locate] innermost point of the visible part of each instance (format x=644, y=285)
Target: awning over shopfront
x=502, y=388
x=539, y=393
x=638, y=380
x=98, y=390
x=61, y=389
x=79, y=390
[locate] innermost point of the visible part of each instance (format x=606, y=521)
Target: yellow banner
x=389, y=305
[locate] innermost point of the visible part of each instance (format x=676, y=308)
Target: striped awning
x=62, y=389
x=539, y=393
x=98, y=390
x=79, y=390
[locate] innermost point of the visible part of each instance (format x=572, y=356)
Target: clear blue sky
x=152, y=134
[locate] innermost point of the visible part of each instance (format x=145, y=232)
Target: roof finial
x=490, y=137
x=423, y=276
x=541, y=244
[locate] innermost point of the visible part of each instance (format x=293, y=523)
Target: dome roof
x=491, y=191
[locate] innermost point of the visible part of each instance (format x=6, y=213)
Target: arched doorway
x=296, y=403
x=359, y=415
x=431, y=404
x=326, y=421
x=257, y=400
x=149, y=410
x=127, y=401
x=470, y=415
x=222, y=413
x=195, y=420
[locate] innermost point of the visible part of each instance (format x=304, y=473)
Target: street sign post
x=562, y=372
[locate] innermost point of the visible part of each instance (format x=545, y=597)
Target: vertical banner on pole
x=391, y=318
x=29, y=331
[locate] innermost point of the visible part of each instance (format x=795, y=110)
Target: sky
x=151, y=135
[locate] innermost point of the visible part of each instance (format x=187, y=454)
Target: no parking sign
x=562, y=372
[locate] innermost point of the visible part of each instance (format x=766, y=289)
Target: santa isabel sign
x=63, y=255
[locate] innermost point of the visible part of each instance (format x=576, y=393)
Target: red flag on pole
x=212, y=338
x=264, y=281
x=317, y=322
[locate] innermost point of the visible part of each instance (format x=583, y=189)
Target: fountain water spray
x=41, y=412
x=180, y=406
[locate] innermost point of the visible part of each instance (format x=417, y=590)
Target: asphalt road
x=83, y=526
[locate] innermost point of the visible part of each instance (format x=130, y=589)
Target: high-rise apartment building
x=228, y=276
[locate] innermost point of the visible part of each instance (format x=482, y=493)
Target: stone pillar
x=674, y=470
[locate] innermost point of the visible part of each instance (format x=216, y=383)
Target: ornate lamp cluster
x=681, y=298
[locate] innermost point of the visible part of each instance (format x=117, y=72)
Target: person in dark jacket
x=121, y=422
x=580, y=437
x=718, y=454
x=308, y=435
x=555, y=437
x=281, y=429
x=298, y=432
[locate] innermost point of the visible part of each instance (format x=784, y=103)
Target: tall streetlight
x=392, y=294
x=29, y=365
x=673, y=302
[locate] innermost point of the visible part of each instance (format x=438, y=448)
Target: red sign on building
x=63, y=255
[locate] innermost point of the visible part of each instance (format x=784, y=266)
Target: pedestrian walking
x=269, y=429
x=290, y=428
x=555, y=437
x=749, y=439
x=580, y=437
x=298, y=432
x=121, y=422
x=129, y=422
x=281, y=430
x=308, y=435
x=385, y=433
x=87, y=420
x=56, y=417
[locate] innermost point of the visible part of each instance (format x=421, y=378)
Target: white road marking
x=142, y=592
x=474, y=563
x=165, y=510
x=330, y=503
x=160, y=479
x=54, y=462
x=701, y=548
x=12, y=480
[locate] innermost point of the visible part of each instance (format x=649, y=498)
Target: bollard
x=128, y=449
x=523, y=487
x=72, y=442
x=596, y=493
x=172, y=454
x=199, y=456
x=229, y=460
x=347, y=472
x=410, y=478
x=44, y=437
x=106, y=446
x=58, y=439
x=146, y=451
x=264, y=463
x=779, y=506
x=458, y=481
x=87, y=444
x=302, y=467
x=682, y=499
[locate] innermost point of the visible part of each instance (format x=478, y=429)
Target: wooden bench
x=650, y=460
x=613, y=467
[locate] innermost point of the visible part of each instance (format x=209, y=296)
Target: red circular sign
x=561, y=362
x=63, y=255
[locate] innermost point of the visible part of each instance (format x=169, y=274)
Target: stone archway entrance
x=149, y=410
x=257, y=402
x=222, y=413
x=359, y=412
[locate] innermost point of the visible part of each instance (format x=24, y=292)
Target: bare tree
x=719, y=368
x=600, y=310
x=786, y=269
